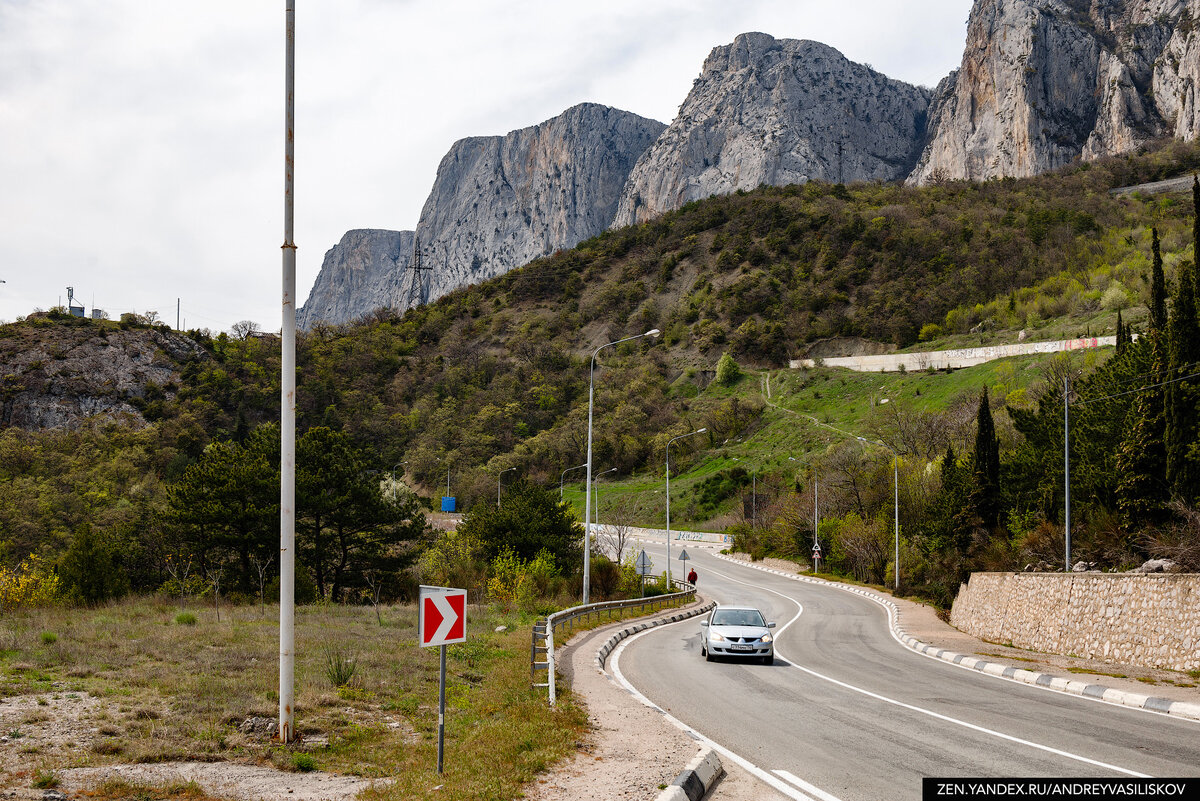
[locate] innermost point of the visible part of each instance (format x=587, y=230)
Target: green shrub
x=185, y=619
x=340, y=664
x=49, y=638
x=303, y=763
x=728, y=371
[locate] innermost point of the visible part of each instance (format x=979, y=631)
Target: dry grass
x=179, y=692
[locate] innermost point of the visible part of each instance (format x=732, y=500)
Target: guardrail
x=544, y=630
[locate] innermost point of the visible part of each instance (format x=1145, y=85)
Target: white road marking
x=945, y=718
x=803, y=785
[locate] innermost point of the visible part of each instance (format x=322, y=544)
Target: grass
x=1101, y=673
x=152, y=675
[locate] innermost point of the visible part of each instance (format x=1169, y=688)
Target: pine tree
x=1120, y=334
x=1158, y=288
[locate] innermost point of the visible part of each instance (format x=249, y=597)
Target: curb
x=1181, y=709
x=606, y=649
x=696, y=779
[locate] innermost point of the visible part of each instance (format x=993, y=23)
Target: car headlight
x=765, y=638
x=716, y=637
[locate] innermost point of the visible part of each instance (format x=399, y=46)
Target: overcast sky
x=141, y=141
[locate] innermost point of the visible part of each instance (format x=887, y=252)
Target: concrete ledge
x=1183, y=709
x=696, y=779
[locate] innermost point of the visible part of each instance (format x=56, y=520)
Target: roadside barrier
x=544, y=631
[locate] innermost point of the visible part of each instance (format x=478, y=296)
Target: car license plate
x=743, y=647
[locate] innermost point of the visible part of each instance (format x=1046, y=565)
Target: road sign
x=683, y=557
x=443, y=616
x=644, y=566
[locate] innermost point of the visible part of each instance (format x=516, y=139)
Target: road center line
x=937, y=715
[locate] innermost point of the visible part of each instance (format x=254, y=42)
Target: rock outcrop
x=776, y=112
x=498, y=202
x=501, y=201
x=61, y=375
x=366, y=270
x=1045, y=82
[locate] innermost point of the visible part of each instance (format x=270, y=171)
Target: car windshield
x=737, y=617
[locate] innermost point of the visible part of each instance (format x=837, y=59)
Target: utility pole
x=176, y=312
x=1067, y=470
x=287, y=414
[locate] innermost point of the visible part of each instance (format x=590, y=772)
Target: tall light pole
x=397, y=464
x=502, y=472
x=896, y=514
x=596, y=491
x=564, y=475
x=1067, y=471
x=672, y=439
x=287, y=413
x=587, y=501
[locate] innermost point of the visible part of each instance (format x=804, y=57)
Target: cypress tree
x=1183, y=348
x=1120, y=334
x=1158, y=288
x=985, y=495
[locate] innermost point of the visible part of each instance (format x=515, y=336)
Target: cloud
x=141, y=143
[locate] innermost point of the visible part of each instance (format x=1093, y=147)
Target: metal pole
x=816, y=560
x=681, y=436
x=896, y=478
x=587, y=495
x=1067, y=470
x=753, y=499
x=441, y=708
x=502, y=472
x=564, y=474
x=287, y=422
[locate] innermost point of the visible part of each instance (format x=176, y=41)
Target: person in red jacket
x=692, y=577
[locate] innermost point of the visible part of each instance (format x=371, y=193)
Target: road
x=848, y=713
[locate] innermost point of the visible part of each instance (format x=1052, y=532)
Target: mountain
x=497, y=203
x=777, y=112
x=1045, y=82
x=365, y=270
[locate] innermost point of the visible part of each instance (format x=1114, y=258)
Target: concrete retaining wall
x=960, y=357
x=1133, y=619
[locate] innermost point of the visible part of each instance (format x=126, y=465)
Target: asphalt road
x=848, y=713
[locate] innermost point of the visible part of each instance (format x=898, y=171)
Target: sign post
x=442, y=621
x=816, y=557
x=644, y=568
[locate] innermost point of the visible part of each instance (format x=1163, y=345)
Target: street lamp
x=896, y=481
x=681, y=436
x=596, y=490
x=502, y=472
x=587, y=501
x=397, y=464
x=564, y=475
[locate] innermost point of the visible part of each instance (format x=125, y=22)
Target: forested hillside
x=496, y=376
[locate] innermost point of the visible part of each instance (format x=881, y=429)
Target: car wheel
x=708, y=657
x=769, y=659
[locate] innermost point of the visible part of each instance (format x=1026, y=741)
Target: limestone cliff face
x=1044, y=82
x=501, y=201
x=63, y=375
x=778, y=111
x=367, y=269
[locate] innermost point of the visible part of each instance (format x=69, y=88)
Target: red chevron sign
x=443, y=616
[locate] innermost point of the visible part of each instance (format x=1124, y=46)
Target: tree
x=528, y=520
x=985, y=494
x=89, y=570
x=244, y=329
x=345, y=524
x=728, y=371
x=1182, y=428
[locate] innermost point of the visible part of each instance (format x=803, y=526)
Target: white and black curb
x=611, y=643
x=697, y=778
x=1183, y=709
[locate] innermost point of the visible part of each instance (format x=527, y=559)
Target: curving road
x=848, y=713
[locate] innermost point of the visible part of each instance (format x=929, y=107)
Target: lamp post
x=397, y=464
x=672, y=439
x=502, y=472
x=587, y=500
x=596, y=490
x=564, y=475
x=896, y=514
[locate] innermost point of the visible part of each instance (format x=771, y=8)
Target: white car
x=737, y=631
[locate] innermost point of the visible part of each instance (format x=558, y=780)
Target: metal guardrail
x=544, y=630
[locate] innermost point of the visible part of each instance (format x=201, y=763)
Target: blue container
x=447, y=504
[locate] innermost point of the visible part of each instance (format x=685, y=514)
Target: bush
x=31, y=584
x=728, y=371
x=185, y=619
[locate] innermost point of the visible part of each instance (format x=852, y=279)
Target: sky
x=141, y=141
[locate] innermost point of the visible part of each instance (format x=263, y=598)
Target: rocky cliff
x=366, y=270
x=497, y=203
x=778, y=111
x=1044, y=82
x=61, y=374
x=501, y=201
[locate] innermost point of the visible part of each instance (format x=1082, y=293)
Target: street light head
x=701, y=430
x=653, y=332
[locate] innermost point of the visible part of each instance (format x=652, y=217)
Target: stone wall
x=958, y=357
x=1132, y=619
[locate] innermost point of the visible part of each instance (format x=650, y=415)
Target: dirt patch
x=227, y=779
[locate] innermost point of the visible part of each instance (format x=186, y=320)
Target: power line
x=1139, y=389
